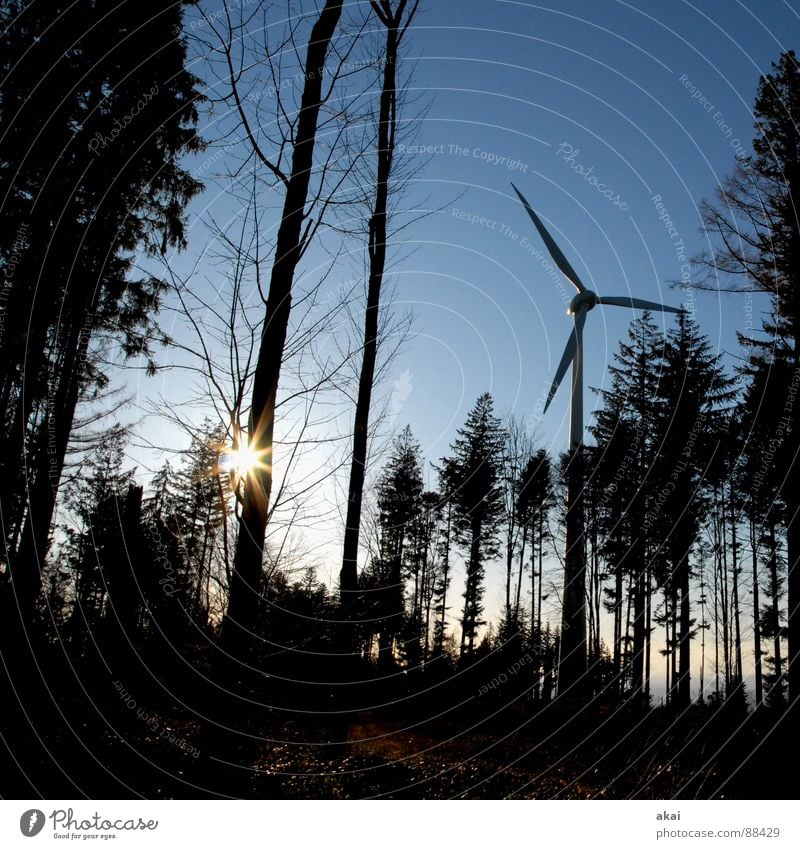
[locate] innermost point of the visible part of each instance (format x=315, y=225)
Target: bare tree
x=396, y=21
x=285, y=145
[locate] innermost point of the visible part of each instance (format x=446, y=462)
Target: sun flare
x=242, y=461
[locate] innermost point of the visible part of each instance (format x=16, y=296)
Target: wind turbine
x=572, y=659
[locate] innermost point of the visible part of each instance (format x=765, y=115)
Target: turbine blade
x=568, y=355
x=580, y=319
x=636, y=303
x=560, y=260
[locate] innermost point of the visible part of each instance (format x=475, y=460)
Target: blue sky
x=653, y=101
x=615, y=120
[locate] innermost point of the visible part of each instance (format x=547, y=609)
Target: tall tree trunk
x=387, y=117
x=518, y=592
x=684, y=659
x=775, y=611
x=702, y=672
x=471, y=593
x=617, y=654
x=572, y=657
x=756, y=617
x=438, y=647
x=717, y=610
x=637, y=665
x=737, y=630
x=509, y=568
x=52, y=438
x=648, y=631
x=541, y=576
x=793, y=567
x=245, y=584
x=725, y=600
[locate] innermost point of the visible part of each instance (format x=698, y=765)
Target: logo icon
x=31, y=822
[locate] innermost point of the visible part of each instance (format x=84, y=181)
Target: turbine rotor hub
x=582, y=299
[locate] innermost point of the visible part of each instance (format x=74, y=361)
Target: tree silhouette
x=396, y=22
x=473, y=474
x=627, y=446
x=693, y=392
x=290, y=242
x=756, y=231
x=400, y=505
x=89, y=152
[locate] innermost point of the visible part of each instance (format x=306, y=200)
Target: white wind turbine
x=572, y=660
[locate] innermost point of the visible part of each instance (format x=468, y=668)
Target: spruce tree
x=475, y=485
x=755, y=227
x=627, y=445
x=693, y=396
x=399, y=505
x=102, y=545
x=97, y=109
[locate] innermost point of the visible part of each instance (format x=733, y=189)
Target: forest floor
x=120, y=740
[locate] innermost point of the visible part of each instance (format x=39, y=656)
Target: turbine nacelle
x=586, y=299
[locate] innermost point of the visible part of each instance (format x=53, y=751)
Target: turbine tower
x=572, y=657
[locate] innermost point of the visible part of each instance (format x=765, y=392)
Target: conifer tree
x=693, y=396
x=399, y=504
x=535, y=498
x=90, y=141
x=474, y=481
x=755, y=227
x=102, y=545
x=627, y=445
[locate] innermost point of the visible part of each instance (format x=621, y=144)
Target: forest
x=166, y=627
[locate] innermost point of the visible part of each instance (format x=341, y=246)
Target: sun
x=242, y=461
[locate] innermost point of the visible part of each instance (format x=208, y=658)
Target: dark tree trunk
x=637, y=663
x=617, y=654
x=468, y=623
x=793, y=587
x=793, y=568
x=684, y=649
x=52, y=438
x=737, y=629
x=348, y=581
x=518, y=591
x=756, y=618
x=572, y=657
x=775, y=612
x=243, y=601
